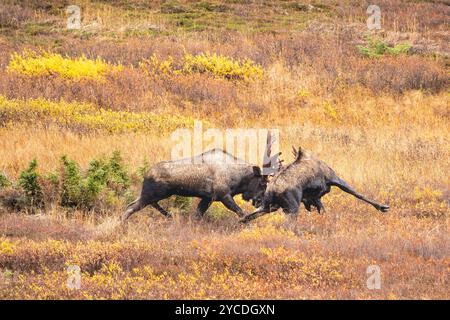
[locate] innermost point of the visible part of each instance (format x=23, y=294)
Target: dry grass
x=321, y=257
x=382, y=124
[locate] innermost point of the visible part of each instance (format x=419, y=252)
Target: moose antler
x=298, y=154
x=271, y=164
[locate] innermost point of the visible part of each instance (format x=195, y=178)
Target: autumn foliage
x=84, y=113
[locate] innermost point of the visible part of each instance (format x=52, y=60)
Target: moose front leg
x=203, y=205
x=228, y=202
x=259, y=212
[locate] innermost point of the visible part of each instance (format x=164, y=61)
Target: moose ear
x=257, y=171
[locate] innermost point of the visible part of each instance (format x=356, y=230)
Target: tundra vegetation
x=84, y=113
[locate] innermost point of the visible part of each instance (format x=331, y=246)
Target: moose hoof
x=243, y=220
x=125, y=217
x=384, y=208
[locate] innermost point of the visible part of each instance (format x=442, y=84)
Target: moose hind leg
x=315, y=203
x=318, y=204
x=161, y=209
x=133, y=207
x=341, y=184
x=307, y=204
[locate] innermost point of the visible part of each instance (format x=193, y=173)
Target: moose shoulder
x=305, y=180
x=211, y=176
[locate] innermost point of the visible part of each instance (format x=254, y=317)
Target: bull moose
x=305, y=180
x=214, y=175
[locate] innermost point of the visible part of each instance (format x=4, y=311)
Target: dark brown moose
x=306, y=180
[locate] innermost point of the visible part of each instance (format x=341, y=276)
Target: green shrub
x=105, y=183
x=93, y=184
x=4, y=182
x=108, y=177
x=377, y=48
x=142, y=170
x=118, y=178
x=52, y=178
x=71, y=181
x=218, y=212
x=29, y=182
x=182, y=203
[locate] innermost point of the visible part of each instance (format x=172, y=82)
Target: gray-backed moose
x=214, y=175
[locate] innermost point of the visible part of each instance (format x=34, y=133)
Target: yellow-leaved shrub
x=45, y=64
x=222, y=66
x=214, y=64
x=88, y=116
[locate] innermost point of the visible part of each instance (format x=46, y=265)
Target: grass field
x=373, y=105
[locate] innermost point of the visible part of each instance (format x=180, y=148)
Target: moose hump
x=215, y=155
